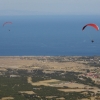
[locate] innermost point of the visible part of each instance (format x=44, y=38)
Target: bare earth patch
x=27, y=92
x=78, y=90
x=50, y=97
x=7, y=98
x=45, y=83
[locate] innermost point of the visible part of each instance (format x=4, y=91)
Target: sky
x=49, y=7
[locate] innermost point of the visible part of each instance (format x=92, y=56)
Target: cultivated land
x=50, y=78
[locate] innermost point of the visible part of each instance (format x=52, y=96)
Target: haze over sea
x=49, y=36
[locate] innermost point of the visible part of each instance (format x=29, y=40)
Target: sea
x=49, y=35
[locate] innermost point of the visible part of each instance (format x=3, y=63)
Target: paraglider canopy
x=91, y=24
x=7, y=23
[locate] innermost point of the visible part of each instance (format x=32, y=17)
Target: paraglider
x=92, y=25
x=4, y=24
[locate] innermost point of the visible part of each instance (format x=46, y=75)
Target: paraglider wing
x=7, y=23
x=93, y=25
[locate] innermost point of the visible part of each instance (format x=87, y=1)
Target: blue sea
x=49, y=35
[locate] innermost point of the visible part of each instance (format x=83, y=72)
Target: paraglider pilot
x=92, y=41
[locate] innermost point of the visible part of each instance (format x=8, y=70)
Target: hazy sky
x=49, y=7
